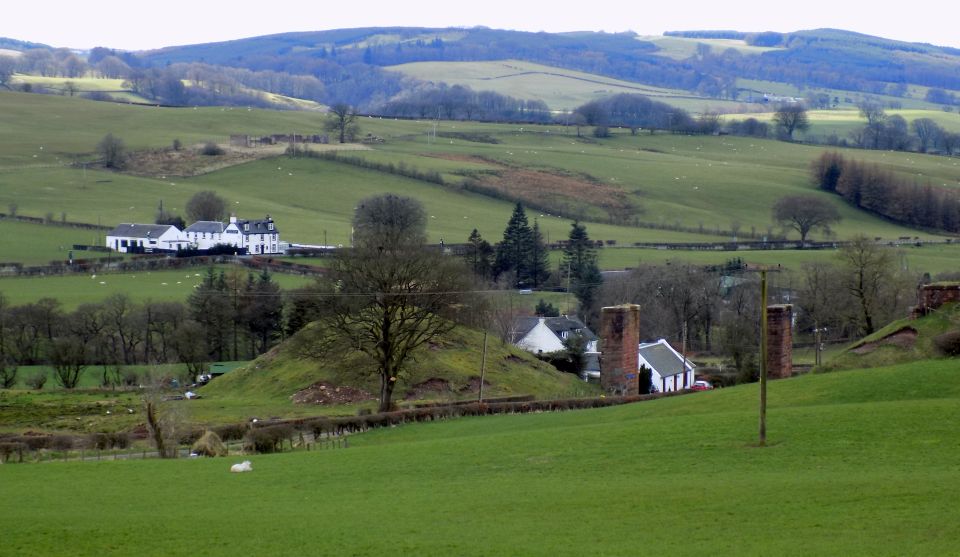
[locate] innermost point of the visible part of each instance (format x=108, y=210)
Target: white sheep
x=242, y=467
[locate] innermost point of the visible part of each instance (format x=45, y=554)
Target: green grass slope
x=860, y=463
x=562, y=89
x=904, y=340
x=454, y=358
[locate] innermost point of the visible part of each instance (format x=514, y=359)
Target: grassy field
x=158, y=286
x=560, y=88
x=931, y=259
x=859, y=463
x=47, y=242
x=823, y=123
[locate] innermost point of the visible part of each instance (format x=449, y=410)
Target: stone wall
x=932, y=296
x=620, y=345
x=779, y=341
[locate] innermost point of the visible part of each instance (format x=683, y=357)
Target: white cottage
x=205, y=234
x=146, y=238
x=669, y=370
x=546, y=334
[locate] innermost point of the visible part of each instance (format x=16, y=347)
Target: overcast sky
x=143, y=25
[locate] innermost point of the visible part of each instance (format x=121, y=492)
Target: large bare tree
x=790, y=118
x=389, y=295
x=805, y=213
x=342, y=120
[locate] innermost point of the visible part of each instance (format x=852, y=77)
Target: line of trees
x=868, y=186
x=229, y=316
x=463, y=103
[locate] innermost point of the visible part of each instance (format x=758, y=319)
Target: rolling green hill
x=859, y=463
x=699, y=183
x=562, y=89
x=453, y=358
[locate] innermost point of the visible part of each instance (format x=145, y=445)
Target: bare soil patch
x=431, y=387
x=903, y=338
x=473, y=385
x=323, y=393
x=551, y=190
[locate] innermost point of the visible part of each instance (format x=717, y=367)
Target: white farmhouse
x=669, y=370
x=259, y=236
x=255, y=236
x=146, y=238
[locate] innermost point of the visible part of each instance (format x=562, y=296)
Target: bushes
x=948, y=343
x=231, y=432
x=104, y=441
x=267, y=439
x=37, y=380
x=211, y=149
x=210, y=445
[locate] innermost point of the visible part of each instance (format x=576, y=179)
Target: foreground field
x=860, y=463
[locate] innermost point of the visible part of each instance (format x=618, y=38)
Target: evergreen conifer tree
x=512, y=252
x=579, y=266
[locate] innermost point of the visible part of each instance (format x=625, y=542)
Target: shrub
x=267, y=439
x=9, y=449
x=231, y=432
x=948, y=343
x=211, y=149
x=37, y=380
x=62, y=442
x=210, y=445
x=103, y=441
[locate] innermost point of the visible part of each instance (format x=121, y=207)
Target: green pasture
x=688, y=181
x=44, y=130
x=858, y=463
x=842, y=122
x=685, y=180
x=560, y=88
x=933, y=259
x=46, y=243
x=158, y=286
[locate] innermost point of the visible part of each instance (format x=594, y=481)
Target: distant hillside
x=706, y=63
x=7, y=43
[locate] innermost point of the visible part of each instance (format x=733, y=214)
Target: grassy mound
x=447, y=369
x=860, y=463
x=904, y=340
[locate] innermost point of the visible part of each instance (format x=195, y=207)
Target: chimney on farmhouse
x=620, y=343
x=779, y=341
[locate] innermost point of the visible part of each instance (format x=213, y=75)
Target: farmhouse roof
x=133, y=230
x=663, y=358
x=206, y=227
x=257, y=226
x=559, y=325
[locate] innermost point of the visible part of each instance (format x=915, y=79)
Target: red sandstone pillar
x=620, y=346
x=779, y=341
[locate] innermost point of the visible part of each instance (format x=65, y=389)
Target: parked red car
x=701, y=386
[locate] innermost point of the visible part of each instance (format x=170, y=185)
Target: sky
x=140, y=25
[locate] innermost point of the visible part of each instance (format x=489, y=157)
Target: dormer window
x=270, y=225
x=246, y=227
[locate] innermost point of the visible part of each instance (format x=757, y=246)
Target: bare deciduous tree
x=790, y=118
x=343, y=122
x=206, y=205
x=390, y=294
x=805, y=213
x=112, y=151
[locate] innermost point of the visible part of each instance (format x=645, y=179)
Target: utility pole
x=483, y=366
x=763, y=357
